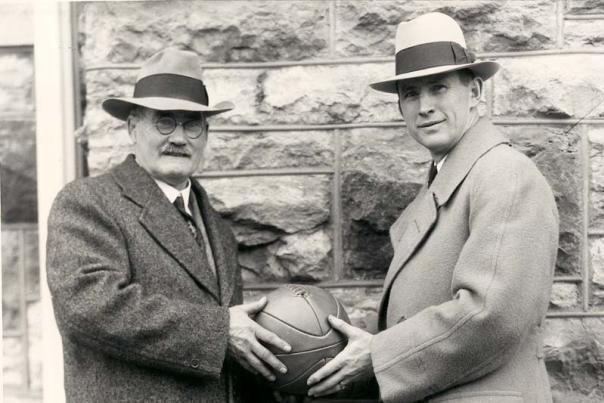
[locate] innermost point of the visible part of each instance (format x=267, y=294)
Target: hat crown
x=172, y=61
x=428, y=28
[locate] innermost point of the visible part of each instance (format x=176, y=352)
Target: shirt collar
x=440, y=163
x=172, y=193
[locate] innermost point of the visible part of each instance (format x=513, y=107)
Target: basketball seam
x=312, y=308
x=294, y=327
x=310, y=351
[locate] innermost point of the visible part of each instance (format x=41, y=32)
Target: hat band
x=431, y=55
x=172, y=86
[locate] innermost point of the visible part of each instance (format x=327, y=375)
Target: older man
x=141, y=268
x=466, y=293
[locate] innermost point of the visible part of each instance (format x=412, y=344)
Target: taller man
x=142, y=270
x=466, y=293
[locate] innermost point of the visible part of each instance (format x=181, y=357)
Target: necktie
x=432, y=173
x=180, y=206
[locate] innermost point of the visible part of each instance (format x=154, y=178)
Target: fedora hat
x=431, y=44
x=169, y=80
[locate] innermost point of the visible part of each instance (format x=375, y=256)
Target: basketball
x=298, y=314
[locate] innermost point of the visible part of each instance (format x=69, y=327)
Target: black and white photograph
x=302, y=201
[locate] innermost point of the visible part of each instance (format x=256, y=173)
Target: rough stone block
x=301, y=257
x=566, y=86
x=564, y=296
x=227, y=31
x=278, y=205
x=243, y=87
x=102, y=159
x=114, y=134
x=574, y=358
x=369, y=27
x=241, y=150
x=330, y=94
x=382, y=170
x=555, y=151
x=17, y=82
x=584, y=33
x=361, y=305
x=585, y=7
x=596, y=158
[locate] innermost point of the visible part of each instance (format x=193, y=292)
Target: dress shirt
x=172, y=193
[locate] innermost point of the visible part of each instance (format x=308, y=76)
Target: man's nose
x=178, y=136
x=426, y=103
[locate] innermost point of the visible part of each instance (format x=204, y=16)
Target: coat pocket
x=487, y=396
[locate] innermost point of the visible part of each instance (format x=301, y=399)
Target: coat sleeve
x=500, y=289
x=97, y=305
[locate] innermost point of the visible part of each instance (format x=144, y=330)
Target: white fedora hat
x=169, y=80
x=430, y=44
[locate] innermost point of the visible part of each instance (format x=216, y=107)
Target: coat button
x=194, y=363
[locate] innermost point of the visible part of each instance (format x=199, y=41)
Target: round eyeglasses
x=192, y=128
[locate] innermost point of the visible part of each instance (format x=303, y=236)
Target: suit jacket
x=141, y=316
x=469, y=284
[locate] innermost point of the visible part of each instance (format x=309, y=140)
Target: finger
x=268, y=357
x=254, y=307
x=328, y=386
x=260, y=367
x=271, y=338
x=341, y=326
x=325, y=371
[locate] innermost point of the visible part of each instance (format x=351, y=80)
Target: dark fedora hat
x=169, y=80
x=431, y=44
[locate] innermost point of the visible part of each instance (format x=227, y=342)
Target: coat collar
x=163, y=222
x=479, y=139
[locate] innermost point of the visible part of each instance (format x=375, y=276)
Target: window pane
x=10, y=280
x=32, y=268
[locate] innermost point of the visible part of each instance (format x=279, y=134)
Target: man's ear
x=476, y=88
x=398, y=100
x=131, y=122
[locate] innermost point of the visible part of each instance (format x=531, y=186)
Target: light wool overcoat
x=467, y=290
x=142, y=316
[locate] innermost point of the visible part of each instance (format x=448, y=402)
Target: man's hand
x=244, y=340
x=352, y=364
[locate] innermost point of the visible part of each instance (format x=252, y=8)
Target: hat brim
x=120, y=107
x=484, y=70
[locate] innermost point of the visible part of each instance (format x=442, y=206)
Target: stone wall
x=312, y=167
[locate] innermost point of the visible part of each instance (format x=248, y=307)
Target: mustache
x=177, y=151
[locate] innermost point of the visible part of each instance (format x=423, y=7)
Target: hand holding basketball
x=351, y=365
x=244, y=341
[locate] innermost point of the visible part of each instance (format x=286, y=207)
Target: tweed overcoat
x=142, y=316
x=467, y=290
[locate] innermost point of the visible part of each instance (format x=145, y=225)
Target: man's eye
x=439, y=87
x=409, y=94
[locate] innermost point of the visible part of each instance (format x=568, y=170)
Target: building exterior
x=312, y=166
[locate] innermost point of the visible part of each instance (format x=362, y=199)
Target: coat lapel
x=416, y=228
x=218, y=243
x=163, y=222
x=416, y=222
